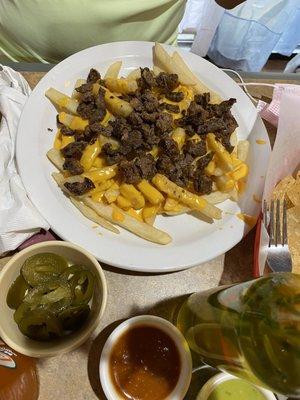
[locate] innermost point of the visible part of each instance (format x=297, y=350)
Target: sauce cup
x=216, y=380
x=185, y=375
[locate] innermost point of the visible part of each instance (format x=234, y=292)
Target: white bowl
x=185, y=356
x=213, y=382
x=9, y=330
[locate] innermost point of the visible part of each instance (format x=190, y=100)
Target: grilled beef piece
x=202, y=183
x=149, y=136
x=135, y=119
x=66, y=131
x=167, y=82
x=132, y=139
x=80, y=188
x=136, y=104
x=119, y=126
x=219, y=110
x=86, y=87
x=85, y=110
x=169, y=147
x=174, y=108
x=73, y=166
x=87, y=97
x=74, y=150
x=112, y=156
x=146, y=166
x=164, y=122
x=147, y=79
x=176, y=171
x=203, y=161
x=149, y=117
x=175, y=96
x=98, y=115
x=129, y=172
x=150, y=102
x=195, y=149
x=202, y=99
x=93, y=76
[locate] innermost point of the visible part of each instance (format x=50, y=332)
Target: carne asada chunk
x=66, y=131
x=74, y=150
x=167, y=82
x=129, y=172
x=111, y=155
x=147, y=79
x=195, y=148
x=174, y=108
x=164, y=122
x=169, y=147
x=203, y=161
x=175, y=96
x=146, y=165
x=86, y=87
x=73, y=166
x=80, y=188
x=202, y=183
x=93, y=76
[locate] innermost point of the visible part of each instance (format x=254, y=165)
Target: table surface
x=75, y=375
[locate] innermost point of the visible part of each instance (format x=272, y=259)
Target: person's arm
x=228, y=4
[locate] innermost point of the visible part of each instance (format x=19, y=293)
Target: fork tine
x=277, y=224
x=271, y=227
x=265, y=214
x=284, y=224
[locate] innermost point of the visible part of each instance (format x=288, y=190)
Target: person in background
x=49, y=31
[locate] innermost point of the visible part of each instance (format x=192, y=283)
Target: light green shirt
x=51, y=30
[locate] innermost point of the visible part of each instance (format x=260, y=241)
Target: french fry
x=113, y=70
x=134, y=74
x=102, y=174
x=243, y=150
x=56, y=158
x=117, y=106
x=133, y=195
x=65, y=140
x=190, y=199
x=179, y=65
x=172, y=205
x=89, y=213
x=157, y=70
x=150, y=192
x=217, y=197
x=221, y=152
x=78, y=83
x=57, y=140
x=135, y=214
x=179, y=136
x=149, y=213
x=90, y=153
x=103, y=186
x=72, y=122
x=114, y=214
x=164, y=61
x=181, y=210
x=111, y=195
x=99, y=162
x=122, y=85
x=224, y=183
x=123, y=202
x=62, y=101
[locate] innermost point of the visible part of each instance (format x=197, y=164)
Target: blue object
x=248, y=34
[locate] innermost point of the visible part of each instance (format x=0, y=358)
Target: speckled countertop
x=74, y=376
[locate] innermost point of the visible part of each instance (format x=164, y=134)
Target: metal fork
x=275, y=220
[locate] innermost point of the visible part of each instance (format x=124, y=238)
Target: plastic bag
x=247, y=34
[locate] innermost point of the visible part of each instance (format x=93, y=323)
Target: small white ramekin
x=216, y=380
x=185, y=356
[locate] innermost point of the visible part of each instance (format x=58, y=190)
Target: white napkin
x=19, y=219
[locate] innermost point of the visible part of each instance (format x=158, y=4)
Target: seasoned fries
x=129, y=149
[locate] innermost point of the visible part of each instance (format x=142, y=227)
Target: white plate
x=194, y=241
